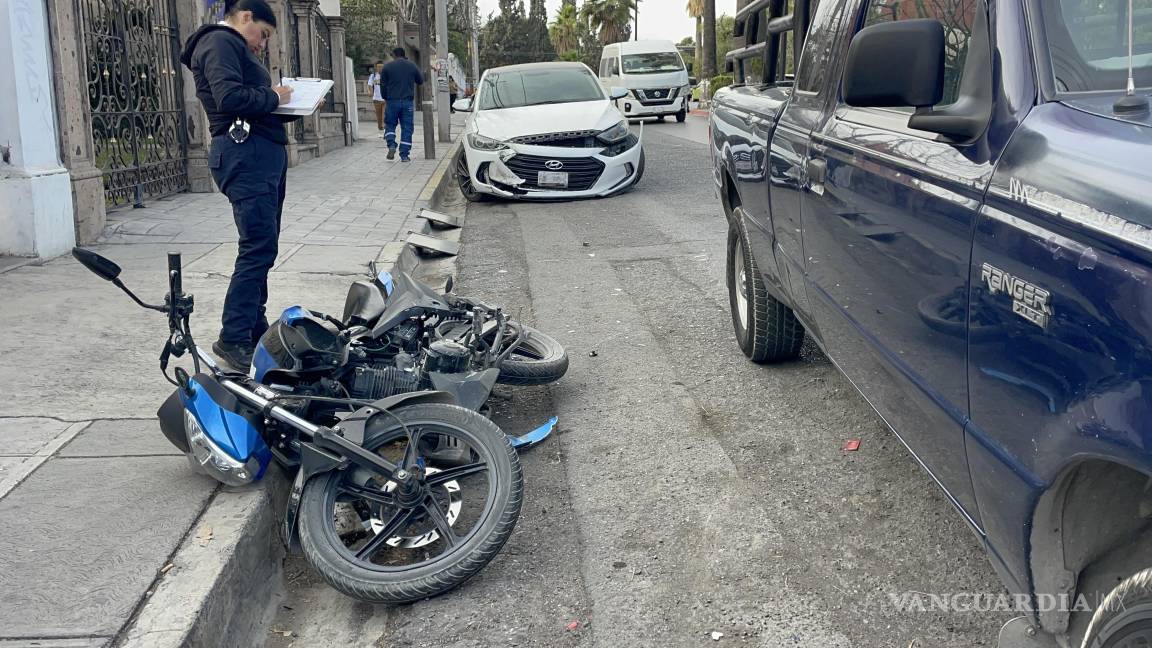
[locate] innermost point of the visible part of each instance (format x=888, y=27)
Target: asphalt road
x=687, y=491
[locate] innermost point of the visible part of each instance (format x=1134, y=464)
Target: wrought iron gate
x=134, y=91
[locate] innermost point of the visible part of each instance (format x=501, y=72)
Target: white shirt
x=374, y=83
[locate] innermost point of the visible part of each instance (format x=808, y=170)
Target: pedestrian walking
x=374, y=87
x=453, y=90
x=247, y=158
x=401, y=77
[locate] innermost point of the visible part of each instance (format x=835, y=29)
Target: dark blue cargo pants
x=252, y=175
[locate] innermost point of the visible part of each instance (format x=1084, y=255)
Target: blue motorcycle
x=393, y=499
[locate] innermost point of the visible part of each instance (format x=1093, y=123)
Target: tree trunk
x=708, y=60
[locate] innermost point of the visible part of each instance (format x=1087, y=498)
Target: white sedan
x=546, y=131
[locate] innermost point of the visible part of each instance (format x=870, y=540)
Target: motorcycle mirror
x=104, y=268
x=449, y=285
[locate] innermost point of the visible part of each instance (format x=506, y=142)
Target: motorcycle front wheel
x=538, y=360
x=380, y=541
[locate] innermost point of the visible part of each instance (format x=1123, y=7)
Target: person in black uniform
x=247, y=158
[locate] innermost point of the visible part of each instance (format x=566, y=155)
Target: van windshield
x=652, y=63
x=1088, y=44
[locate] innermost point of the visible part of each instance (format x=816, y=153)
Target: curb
x=222, y=592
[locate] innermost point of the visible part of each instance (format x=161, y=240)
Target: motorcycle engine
x=447, y=356
x=372, y=382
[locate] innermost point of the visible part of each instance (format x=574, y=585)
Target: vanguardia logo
x=983, y=602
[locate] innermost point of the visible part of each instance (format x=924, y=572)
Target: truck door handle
x=817, y=170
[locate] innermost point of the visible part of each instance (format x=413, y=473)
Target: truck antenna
x=1131, y=103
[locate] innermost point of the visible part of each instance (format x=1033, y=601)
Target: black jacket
x=231, y=82
x=400, y=78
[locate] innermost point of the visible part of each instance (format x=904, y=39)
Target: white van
x=654, y=75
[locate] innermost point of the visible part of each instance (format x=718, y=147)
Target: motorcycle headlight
x=481, y=143
x=205, y=455
x=614, y=134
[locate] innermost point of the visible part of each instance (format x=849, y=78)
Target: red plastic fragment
x=572, y=626
x=852, y=445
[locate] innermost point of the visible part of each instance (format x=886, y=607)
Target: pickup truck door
x=888, y=219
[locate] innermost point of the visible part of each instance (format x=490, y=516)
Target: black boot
x=237, y=355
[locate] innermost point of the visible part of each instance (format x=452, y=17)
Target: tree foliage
x=514, y=36
x=368, y=29
x=612, y=19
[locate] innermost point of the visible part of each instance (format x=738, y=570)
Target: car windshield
x=652, y=63
x=538, y=87
x=1088, y=43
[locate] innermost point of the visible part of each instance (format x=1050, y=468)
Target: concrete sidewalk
x=100, y=513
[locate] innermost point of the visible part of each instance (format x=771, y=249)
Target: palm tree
x=565, y=30
x=610, y=17
x=696, y=10
x=708, y=62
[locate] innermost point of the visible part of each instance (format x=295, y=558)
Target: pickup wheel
x=1124, y=618
x=766, y=330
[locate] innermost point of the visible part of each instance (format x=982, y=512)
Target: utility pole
x=426, y=87
x=475, y=20
x=443, y=74
x=636, y=27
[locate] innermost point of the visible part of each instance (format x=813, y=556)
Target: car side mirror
x=104, y=268
x=894, y=64
x=618, y=93
x=463, y=105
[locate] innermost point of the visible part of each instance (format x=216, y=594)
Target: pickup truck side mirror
x=896, y=64
x=916, y=47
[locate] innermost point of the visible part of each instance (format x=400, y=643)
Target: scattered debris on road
x=573, y=626
x=204, y=536
x=852, y=445
x=716, y=636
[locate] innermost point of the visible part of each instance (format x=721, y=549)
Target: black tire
x=766, y=330
x=1124, y=618
x=464, y=179
x=681, y=116
x=660, y=118
x=538, y=360
x=325, y=548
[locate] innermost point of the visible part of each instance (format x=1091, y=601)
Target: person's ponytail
x=260, y=9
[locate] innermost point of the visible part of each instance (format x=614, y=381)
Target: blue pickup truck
x=953, y=199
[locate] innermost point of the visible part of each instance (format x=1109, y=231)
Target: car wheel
x=681, y=116
x=766, y=330
x=1124, y=618
x=660, y=118
x=464, y=178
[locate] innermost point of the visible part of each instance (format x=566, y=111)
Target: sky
x=659, y=19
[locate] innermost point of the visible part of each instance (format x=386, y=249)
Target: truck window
x=818, y=51
x=957, y=16
x=1088, y=44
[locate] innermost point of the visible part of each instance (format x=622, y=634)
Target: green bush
x=720, y=81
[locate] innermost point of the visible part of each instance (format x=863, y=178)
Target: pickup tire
x=766, y=330
x=1124, y=618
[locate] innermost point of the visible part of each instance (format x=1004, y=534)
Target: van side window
x=613, y=66
x=957, y=16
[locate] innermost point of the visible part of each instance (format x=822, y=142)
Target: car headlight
x=481, y=143
x=205, y=455
x=614, y=134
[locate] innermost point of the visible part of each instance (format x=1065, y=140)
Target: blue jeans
x=402, y=111
x=252, y=175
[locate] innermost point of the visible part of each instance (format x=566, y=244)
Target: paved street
x=687, y=491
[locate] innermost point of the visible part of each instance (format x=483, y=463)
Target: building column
x=189, y=17
x=75, y=124
x=340, y=76
x=37, y=217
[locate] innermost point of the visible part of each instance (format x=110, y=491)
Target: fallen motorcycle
x=398, y=335
x=394, y=499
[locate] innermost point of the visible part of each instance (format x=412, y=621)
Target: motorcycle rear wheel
x=393, y=550
x=538, y=360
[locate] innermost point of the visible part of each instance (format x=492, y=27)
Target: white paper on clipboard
x=306, y=95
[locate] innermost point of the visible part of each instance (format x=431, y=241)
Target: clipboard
x=306, y=95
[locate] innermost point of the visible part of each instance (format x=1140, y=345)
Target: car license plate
x=552, y=179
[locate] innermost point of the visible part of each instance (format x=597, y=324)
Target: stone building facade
x=97, y=113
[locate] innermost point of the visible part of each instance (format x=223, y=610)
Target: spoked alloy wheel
x=387, y=540
x=464, y=178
